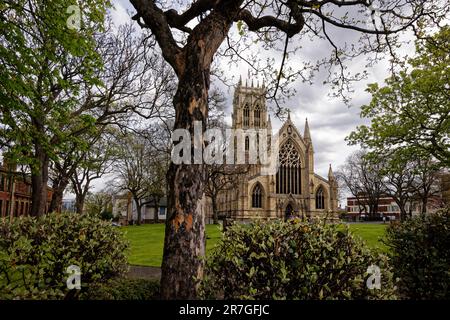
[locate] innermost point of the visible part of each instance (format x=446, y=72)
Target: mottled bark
x=184, y=243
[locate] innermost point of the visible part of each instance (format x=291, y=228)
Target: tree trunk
x=80, y=193
x=12, y=195
x=39, y=180
x=58, y=192
x=156, y=207
x=184, y=243
x=403, y=213
x=214, y=208
x=80, y=198
x=424, y=203
x=371, y=213
x=138, y=209
x=79, y=203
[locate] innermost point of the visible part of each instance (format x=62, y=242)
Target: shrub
x=293, y=260
x=124, y=289
x=106, y=215
x=420, y=249
x=35, y=253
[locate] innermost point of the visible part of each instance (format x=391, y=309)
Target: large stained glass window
x=288, y=179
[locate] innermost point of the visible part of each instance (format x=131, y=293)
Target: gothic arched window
x=246, y=116
x=257, y=196
x=257, y=115
x=247, y=143
x=288, y=179
x=320, y=199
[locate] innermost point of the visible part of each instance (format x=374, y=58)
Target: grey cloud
x=329, y=119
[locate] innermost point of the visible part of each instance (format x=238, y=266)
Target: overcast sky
x=330, y=120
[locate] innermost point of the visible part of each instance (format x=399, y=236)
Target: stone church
x=295, y=190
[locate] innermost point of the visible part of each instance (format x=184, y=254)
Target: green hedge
x=420, y=249
x=36, y=252
x=293, y=260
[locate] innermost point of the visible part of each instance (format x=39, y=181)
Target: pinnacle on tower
x=289, y=114
x=330, y=173
x=269, y=123
x=307, y=135
x=240, y=81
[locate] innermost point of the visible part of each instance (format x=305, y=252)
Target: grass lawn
x=371, y=233
x=147, y=240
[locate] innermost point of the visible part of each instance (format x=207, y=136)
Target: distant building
x=68, y=205
x=387, y=207
x=15, y=193
x=125, y=208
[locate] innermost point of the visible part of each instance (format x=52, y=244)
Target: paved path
x=149, y=273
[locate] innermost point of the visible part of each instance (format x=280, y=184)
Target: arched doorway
x=288, y=212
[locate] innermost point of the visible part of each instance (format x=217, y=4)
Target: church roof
x=321, y=178
x=288, y=123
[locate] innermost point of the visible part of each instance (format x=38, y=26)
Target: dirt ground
x=139, y=272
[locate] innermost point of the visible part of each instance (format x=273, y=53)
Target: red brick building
x=18, y=202
x=387, y=207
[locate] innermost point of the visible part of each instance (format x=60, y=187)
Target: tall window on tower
x=257, y=115
x=320, y=200
x=288, y=179
x=257, y=196
x=246, y=116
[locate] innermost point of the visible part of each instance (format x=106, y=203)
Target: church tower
x=293, y=189
x=249, y=106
